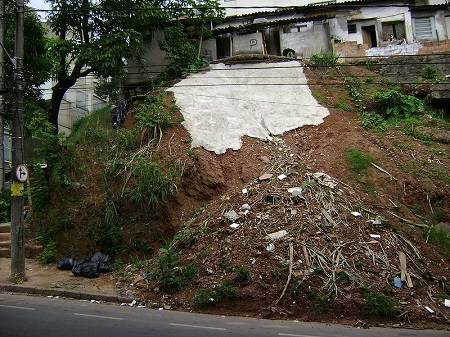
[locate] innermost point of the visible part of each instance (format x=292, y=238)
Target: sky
x=39, y=4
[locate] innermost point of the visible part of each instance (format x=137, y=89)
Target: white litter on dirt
x=225, y=103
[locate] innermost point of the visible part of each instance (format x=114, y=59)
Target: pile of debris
x=89, y=267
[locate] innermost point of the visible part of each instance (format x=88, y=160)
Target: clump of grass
x=242, y=274
x=358, y=161
x=320, y=303
x=377, y=304
x=223, y=291
x=440, y=238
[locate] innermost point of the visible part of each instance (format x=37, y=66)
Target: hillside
x=229, y=240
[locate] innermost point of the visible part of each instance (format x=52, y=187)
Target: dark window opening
x=351, y=28
x=392, y=31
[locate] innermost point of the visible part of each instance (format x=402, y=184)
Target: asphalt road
x=41, y=316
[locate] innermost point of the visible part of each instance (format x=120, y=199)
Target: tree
x=97, y=37
x=180, y=38
x=37, y=64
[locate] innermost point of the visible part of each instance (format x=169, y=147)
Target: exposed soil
x=335, y=254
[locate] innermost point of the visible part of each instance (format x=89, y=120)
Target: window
x=424, y=27
x=296, y=28
x=351, y=28
x=393, y=30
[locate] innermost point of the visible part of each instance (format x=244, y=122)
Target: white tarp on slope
x=258, y=100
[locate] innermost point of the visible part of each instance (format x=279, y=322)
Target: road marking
x=292, y=335
x=99, y=316
x=197, y=326
x=14, y=307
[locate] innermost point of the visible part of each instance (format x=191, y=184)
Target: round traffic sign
x=22, y=173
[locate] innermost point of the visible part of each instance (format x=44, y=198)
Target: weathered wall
x=247, y=44
x=153, y=61
x=312, y=40
x=351, y=51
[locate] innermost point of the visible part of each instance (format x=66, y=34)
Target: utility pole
x=2, y=87
x=18, y=172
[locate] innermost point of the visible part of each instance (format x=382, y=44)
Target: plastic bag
x=90, y=269
x=77, y=265
x=66, y=263
x=103, y=260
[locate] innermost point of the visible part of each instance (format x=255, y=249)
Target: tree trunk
x=53, y=115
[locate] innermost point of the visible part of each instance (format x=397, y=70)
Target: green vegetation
x=152, y=187
x=171, y=275
x=324, y=59
x=184, y=55
x=430, y=73
x=223, y=291
x=394, y=104
x=5, y=206
x=242, y=274
x=440, y=238
x=320, y=301
x=377, y=304
x=358, y=161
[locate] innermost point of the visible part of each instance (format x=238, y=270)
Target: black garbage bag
x=77, y=265
x=66, y=263
x=90, y=269
x=103, y=260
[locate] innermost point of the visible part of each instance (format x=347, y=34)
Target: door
x=369, y=35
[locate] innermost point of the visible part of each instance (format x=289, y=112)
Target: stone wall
x=435, y=47
x=351, y=51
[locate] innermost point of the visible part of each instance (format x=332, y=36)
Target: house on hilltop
x=352, y=29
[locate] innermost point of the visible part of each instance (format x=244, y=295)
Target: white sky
x=38, y=4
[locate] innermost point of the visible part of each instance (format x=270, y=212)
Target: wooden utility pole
x=18, y=171
x=2, y=88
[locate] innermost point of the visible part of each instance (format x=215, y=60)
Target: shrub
x=171, y=275
x=324, y=59
x=394, y=104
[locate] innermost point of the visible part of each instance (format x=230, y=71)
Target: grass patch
x=223, y=291
x=358, y=161
x=440, y=238
x=377, y=304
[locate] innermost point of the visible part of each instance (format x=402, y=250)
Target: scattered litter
x=377, y=221
x=246, y=207
x=277, y=235
x=375, y=236
x=132, y=303
x=294, y=212
x=357, y=214
x=431, y=311
x=270, y=247
x=282, y=177
x=398, y=282
x=94, y=301
x=324, y=179
x=265, y=176
x=209, y=271
x=141, y=306
x=244, y=191
x=295, y=191
x=447, y=303
x=231, y=215
x=234, y=225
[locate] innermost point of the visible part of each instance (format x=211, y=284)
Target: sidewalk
x=47, y=280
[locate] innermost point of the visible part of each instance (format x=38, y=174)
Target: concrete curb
x=16, y=288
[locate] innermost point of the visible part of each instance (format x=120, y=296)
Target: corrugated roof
x=252, y=27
